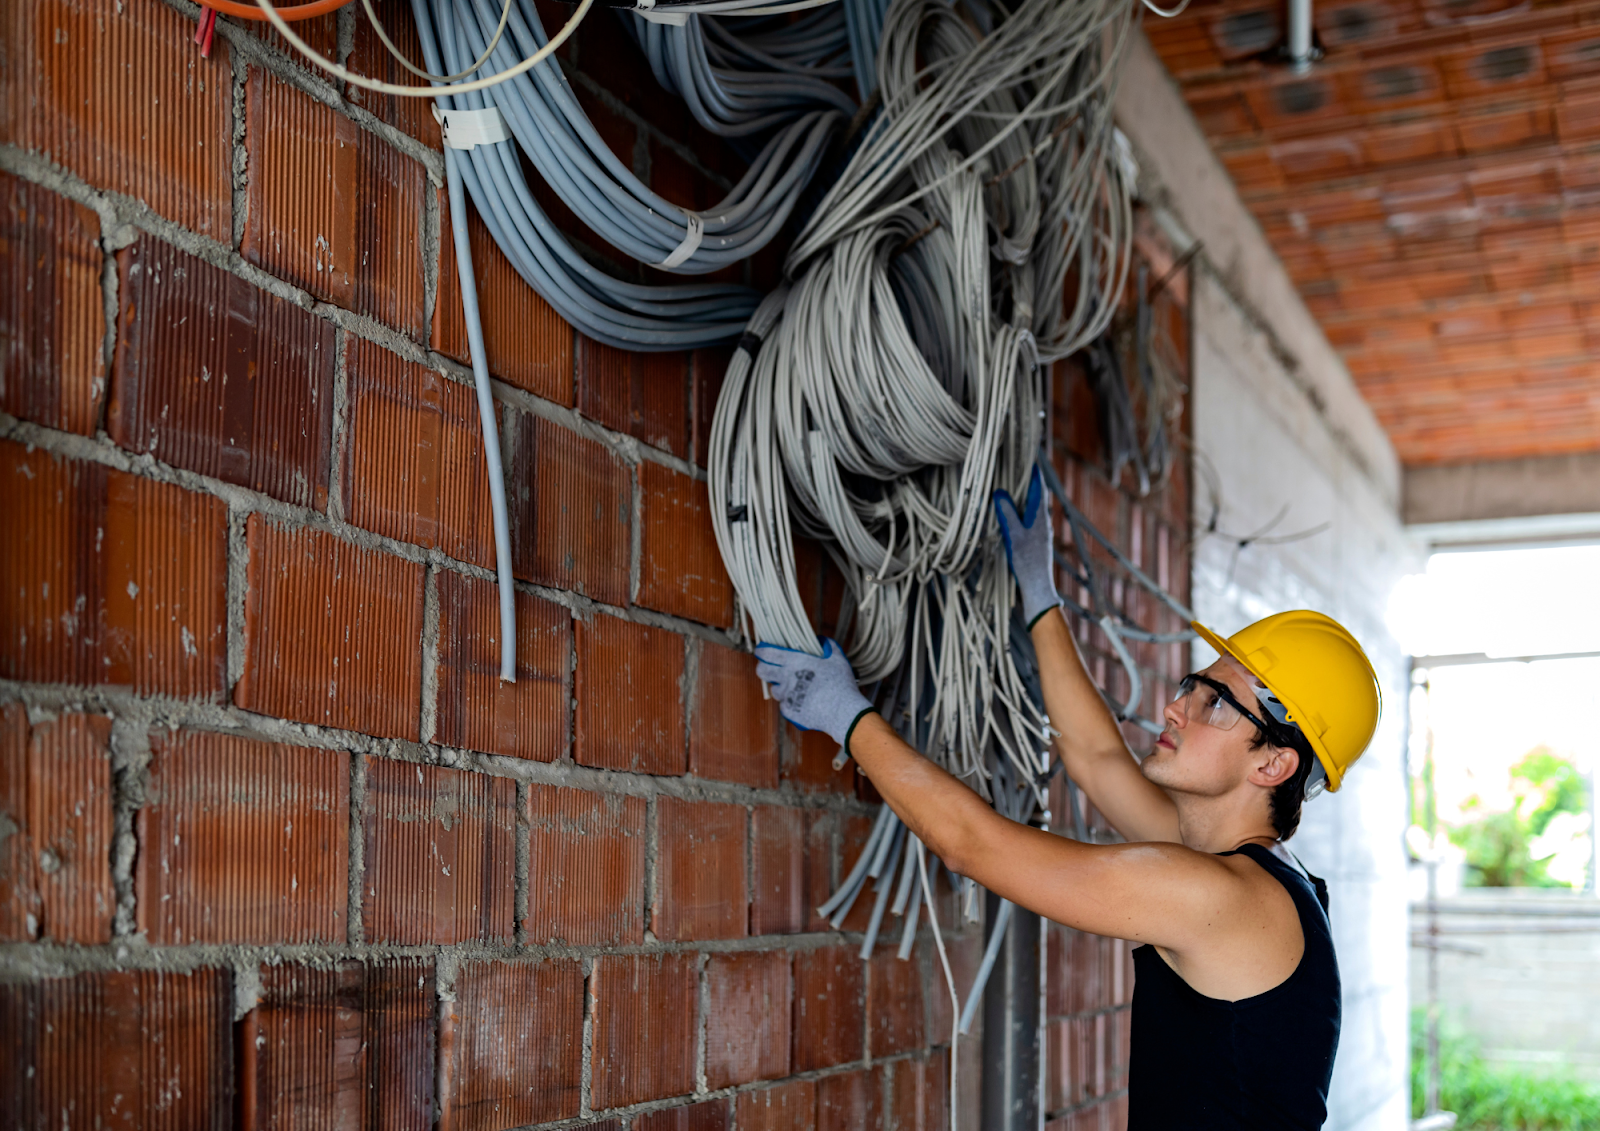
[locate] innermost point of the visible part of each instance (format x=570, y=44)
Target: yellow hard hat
x=1319, y=672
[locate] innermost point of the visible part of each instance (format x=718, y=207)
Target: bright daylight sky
x=1505, y=603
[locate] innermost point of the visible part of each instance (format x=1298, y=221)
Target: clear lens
x=1202, y=704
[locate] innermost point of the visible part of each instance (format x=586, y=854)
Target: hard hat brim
x=1224, y=648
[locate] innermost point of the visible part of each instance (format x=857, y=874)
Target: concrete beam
x=1502, y=489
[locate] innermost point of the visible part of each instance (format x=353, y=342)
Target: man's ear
x=1275, y=766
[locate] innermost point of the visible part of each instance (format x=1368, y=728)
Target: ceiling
x=1433, y=187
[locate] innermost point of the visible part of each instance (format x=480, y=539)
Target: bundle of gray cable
x=897, y=380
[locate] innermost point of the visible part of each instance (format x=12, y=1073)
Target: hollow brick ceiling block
x=643, y=395
x=895, y=1004
x=511, y=1045
x=55, y=796
x=473, y=707
x=586, y=865
x=52, y=319
x=332, y=632
x=344, y=1045
x=136, y=1048
x=113, y=578
x=645, y=1016
x=334, y=208
x=243, y=841
x=629, y=693
x=440, y=854
x=114, y=91
x=1420, y=171
x=215, y=375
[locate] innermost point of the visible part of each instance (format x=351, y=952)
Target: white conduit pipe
x=1300, y=36
x=491, y=430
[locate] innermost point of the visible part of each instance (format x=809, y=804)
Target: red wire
x=296, y=12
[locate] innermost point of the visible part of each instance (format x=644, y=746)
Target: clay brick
x=332, y=632
x=214, y=375
x=700, y=870
x=829, y=1004
x=853, y=833
x=413, y=466
x=644, y=395
x=55, y=797
x=136, y=1048
x=817, y=865
x=645, y=1019
x=710, y=1116
x=896, y=1010
x=919, y=1093
x=440, y=854
x=680, y=567
x=733, y=730
x=511, y=1045
x=112, y=579
x=629, y=696
x=345, y=1045
x=93, y=85
x=851, y=1101
x=333, y=208
x=787, y=1107
x=527, y=343
x=778, y=870
x=964, y=951
x=369, y=57
x=52, y=319
x=585, y=867
x=571, y=510
x=747, y=1019
x=806, y=762
x=243, y=841
x=473, y=708
x=708, y=367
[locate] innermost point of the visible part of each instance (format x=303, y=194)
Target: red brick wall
x=285, y=850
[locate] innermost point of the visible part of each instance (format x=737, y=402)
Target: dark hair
x=1287, y=797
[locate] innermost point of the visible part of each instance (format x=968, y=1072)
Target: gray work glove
x=1030, y=548
x=814, y=692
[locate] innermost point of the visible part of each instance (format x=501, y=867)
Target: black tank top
x=1199, y=1063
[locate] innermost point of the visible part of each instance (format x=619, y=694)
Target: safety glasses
x=1206, y=700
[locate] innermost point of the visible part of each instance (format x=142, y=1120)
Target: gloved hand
x=1029, y=548
x=814, y=692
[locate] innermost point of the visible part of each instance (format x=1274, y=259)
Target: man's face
x=1197, y=758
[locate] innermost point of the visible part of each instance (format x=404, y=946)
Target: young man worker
x=1236, y=998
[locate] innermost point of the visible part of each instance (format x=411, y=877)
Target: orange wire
x=292, y=13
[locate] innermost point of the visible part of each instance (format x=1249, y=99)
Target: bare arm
x=1161, y=893
x=1091, y=745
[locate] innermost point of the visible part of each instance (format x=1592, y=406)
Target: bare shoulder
x=1251, y=944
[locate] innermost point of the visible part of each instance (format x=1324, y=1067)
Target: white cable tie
x=468, y=129
x=647, y=10
x=690, y=244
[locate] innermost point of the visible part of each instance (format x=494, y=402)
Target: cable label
x=468, y=129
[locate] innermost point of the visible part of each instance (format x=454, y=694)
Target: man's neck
x=1220, y=824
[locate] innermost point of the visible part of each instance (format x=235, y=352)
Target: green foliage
x=1497, y=844
x=1487, y=1097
